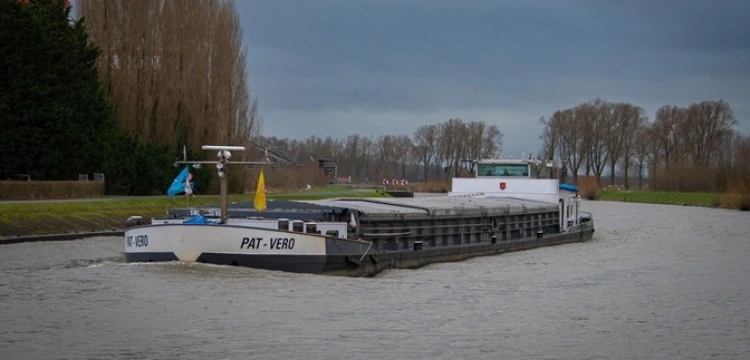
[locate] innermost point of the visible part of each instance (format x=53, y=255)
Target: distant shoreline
x=51, y=220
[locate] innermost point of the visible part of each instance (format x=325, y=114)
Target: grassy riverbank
x=32, y=218
x=731, y=201
x=661, y=197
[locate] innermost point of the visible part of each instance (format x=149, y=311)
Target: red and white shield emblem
x=502, y=186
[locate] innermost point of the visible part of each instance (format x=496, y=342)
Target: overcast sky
x=376, y=67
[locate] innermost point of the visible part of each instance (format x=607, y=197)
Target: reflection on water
x=657, y=282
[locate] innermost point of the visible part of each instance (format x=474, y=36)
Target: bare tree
x=626, y=118
x=175, y=71
x=452, y=144
x=637, y=121
x=367, y=156
x=571, y=149
x=425, y=146
x=707, y=124
x=642, y=140
x=668, y=120
x=402, y=146
x=475, y=133
x=492, y=142
x=385, y=156
x=440, y=157
x=551, y=134
x=351, y=163
x=597, y=119
x=616, y=134
x=741, y=160
x=481, y=141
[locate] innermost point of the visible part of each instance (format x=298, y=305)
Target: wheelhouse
x=514, y=168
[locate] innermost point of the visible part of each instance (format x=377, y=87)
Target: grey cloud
x=529, y=57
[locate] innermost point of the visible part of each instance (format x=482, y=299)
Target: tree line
x=434, y=151
x=121, y=89
x=693, y=148
x=175, y=73
x=174, y=70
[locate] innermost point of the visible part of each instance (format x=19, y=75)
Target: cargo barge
x=508, y=205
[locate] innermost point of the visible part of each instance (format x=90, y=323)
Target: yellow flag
x=260, y=194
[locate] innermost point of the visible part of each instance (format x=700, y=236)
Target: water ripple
x=657, y=282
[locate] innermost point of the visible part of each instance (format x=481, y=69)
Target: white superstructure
x=526, y=179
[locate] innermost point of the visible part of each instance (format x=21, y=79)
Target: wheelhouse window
x=519, y=170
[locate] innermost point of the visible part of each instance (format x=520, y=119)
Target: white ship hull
x=238, y=245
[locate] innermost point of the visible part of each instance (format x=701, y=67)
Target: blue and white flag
x=179, y=184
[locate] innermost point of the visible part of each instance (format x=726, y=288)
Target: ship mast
x=224, y=155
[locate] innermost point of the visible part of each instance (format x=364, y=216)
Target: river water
x=656, y=282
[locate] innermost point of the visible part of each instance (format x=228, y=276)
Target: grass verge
x=62, y=217
x=662, y=197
